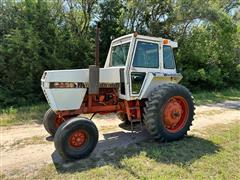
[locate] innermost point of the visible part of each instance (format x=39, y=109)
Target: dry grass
x=29, y=141
x=21, y=143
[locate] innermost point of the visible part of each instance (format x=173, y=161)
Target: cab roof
x=164, y=41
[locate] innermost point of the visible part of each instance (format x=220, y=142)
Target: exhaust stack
x=97, y=45
x=93, y=87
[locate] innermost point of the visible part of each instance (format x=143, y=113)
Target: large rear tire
x=169, y=112
x=76, y=138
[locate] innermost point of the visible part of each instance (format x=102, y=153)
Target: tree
x=112, y=25
x=208, y=53
x=37, y=37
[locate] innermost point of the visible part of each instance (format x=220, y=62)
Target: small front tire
x=49, y=122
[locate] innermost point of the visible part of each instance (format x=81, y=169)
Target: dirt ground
x=27, y=148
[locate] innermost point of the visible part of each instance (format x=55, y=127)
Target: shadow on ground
x=112, y=150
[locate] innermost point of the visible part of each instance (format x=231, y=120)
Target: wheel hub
x=58, y=120
x=77, y=138
x=175, y=113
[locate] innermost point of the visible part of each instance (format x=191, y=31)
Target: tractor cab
x=142, y=59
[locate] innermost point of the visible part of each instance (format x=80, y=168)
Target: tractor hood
x=107, y=75
x=66, y=89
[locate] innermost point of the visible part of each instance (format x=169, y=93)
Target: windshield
x=119, y=54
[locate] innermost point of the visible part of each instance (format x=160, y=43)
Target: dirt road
x=28, y=147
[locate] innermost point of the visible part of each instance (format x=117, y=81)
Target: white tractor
x=139, y=82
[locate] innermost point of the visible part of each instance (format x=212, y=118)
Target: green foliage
x=111, y=13
x=208, y=56
x=208, y=97
x=37, y=35
x=36, y=38
x=23, y=115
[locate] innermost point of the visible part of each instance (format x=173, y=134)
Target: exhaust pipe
x=93, y=83
x=97, y=44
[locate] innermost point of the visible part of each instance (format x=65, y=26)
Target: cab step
x=136, y=120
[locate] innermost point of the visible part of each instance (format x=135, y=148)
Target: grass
x=207, y=97
x=29, y=114
x=23, y=115
x=216, y=156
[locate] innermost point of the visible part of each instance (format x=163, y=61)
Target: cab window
x=168, y=58
x=146, y=55
x=119, y=54
x=137, y=79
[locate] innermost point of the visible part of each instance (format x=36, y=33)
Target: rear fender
x=153, y=80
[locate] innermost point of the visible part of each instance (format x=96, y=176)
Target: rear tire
x=169, y=112
x=76, y=138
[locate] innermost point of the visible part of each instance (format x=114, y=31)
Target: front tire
x=50, y=122
x=76, y=138
x=169, y=112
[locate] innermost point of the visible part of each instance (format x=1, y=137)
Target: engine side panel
x=65, y=99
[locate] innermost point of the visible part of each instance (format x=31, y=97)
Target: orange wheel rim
x=77, y=138
x=175, y=113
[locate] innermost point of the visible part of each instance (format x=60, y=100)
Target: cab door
x=145, y=59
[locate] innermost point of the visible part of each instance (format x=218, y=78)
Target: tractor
x=139, y=83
